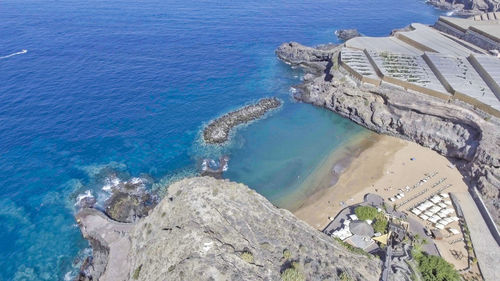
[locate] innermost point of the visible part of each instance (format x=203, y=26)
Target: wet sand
x=328, y=172
x=382, y=166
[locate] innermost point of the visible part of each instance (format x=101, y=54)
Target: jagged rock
x=314, y=59
x=346, y=34
x=125, y=207
x=129, y=202
x=457, y=130
x=218, y=130
x=208, y=229
x=467, y=7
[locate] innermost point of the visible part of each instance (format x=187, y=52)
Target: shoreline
x=328, y=171
x=326, y=201
x=382, y=168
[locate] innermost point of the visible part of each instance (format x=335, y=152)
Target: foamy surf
x=24, y=51
x=83, y=196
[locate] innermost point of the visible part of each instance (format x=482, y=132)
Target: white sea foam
x=70, y=275
x=204, y=165
x=110, y=183
x=136, y=181
x=15, y=54
x=80, y=197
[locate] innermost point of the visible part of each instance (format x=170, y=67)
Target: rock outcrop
x=346, y=34
x=218, y=130
x=129, y=202
x=467, y=7
x=315, y=60
x=468, y=137
x=209, y=229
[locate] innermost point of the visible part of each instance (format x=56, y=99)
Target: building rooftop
x=359, y=241
x=361, y=228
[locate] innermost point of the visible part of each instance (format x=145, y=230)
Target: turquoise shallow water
x=120, y=89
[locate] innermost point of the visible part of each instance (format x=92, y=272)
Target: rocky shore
x=209, y=229
x=218, y=130
x=467, y=7
x=346, y=34
x=468, y=137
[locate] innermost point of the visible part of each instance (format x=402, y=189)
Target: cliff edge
x=209, y=229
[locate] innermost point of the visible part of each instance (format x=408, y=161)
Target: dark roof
x=361, y=228
x=374, y=199
x=437, y=234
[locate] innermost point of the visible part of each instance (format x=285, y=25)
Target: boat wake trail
x=14, y=54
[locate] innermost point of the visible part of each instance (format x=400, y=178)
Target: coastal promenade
x=485, y=245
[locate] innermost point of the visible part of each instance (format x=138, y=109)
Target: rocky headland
x=209, y=229
x=467, y=7
x=346, y=34
x=467, y=136
x=218, y=130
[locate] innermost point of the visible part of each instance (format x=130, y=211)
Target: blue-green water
x=120, y=89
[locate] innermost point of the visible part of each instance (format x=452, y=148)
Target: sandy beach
x=383, y=167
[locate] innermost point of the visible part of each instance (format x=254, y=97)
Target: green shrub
x=365, y=212
x=287, y=254
x=247, y=256
x=344, y=276
x=292, y=274
x=137, y=271
x=380, y=224
x=434, y=268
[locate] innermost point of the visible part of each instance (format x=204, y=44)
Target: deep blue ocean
x=115, y=90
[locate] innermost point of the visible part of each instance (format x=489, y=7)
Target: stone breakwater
x=209, y=229
x=468, y=137
x=218, y=130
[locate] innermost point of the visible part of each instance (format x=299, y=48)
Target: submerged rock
x=208, y=229
x=218, y=130
x=211, y=168
x=346, y=34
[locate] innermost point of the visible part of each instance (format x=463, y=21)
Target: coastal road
x=485, y=245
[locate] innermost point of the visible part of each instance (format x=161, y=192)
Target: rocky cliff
x=467, y=7
x=468, y=137
x=209, y=229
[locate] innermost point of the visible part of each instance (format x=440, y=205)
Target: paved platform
x=356, y=62
x=485, y=246
x=428, y=39
x=407, y=70
x=489, y=69
x=382, y=44
x=451, y=63
x=460, y=77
